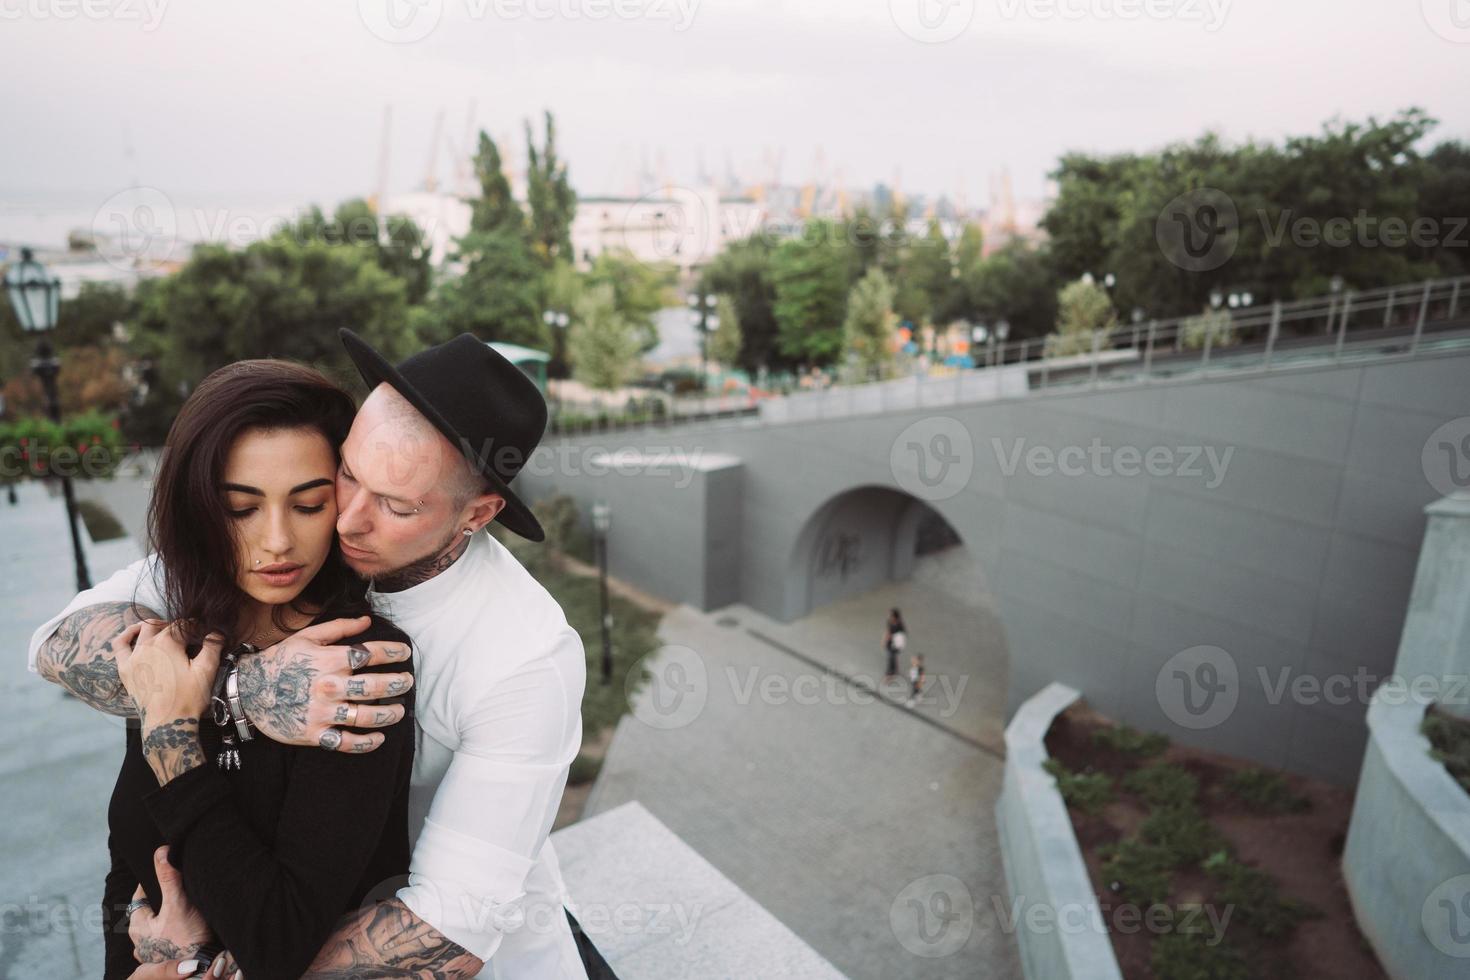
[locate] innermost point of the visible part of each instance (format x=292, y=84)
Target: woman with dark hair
x=895, y=636
x=271, y=843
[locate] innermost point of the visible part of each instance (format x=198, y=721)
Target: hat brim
x=376, y=370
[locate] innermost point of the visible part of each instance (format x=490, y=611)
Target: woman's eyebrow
x=299, y=488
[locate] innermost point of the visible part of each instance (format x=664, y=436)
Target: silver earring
x=257, y=561
x=468, y=531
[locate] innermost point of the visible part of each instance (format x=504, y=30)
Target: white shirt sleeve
x=493, y=811
x=138, y=583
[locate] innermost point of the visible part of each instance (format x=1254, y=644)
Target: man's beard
x=422, y=569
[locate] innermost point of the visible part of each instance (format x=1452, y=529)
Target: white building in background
x=681, y=226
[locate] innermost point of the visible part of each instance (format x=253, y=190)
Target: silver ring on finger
x=357, y=656
x=135, y=905
x=331, y=740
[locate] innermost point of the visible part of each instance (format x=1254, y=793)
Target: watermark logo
x=932, y=21
x=1204, y=463
x=1199, y=687
x=1199, y=230
x=933, y=916
x=135, y=224
x=400, y=21
x=1445, y=917
x=1210, y=14
x=1450, y=19
x=933, y=458
x=1446, y=457
x=148, y=13
x=678, y=687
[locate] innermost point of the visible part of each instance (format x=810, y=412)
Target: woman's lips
x=282, y=576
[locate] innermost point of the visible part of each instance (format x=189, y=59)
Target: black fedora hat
x=485, y=406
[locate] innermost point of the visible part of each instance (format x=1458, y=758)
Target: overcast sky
x=282, y=100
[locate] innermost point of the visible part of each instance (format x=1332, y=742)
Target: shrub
x=1130, y=741
x=1190, y=956
x=1182, y=832
x=1162, y=784
x=1449, y=741
x=1256, y=898
x=1088, y=792
x=1265, y=791
x=1137, y=870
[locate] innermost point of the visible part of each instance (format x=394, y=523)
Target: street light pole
x=36, y=299
x=601, y=524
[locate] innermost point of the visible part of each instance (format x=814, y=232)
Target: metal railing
x=1393, y=321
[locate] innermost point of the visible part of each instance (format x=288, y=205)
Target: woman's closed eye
x=299, y=508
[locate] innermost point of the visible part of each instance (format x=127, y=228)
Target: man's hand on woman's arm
x=297, y=692
x=387, y=940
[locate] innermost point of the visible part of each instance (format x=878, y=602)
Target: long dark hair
x=188, y=521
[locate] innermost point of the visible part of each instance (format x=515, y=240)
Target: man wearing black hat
x=499, y=673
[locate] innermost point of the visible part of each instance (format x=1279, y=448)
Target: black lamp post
x=36, y=298
x=703, y=303
x=601, y=523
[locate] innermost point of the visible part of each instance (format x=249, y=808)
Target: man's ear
x=483, y=509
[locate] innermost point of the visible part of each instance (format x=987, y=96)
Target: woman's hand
x=170, y=690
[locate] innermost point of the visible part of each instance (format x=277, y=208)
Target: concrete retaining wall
x=1059, y=926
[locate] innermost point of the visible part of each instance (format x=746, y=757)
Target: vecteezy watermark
x=933, y=458
x=678, y=687
x=1097, y=459
x=146, y=13
x=136, y=224
x=1100, y=918
x=830, y=688
x=1445, y=916
x=1450, y=19
x=932, y=21
x=674, y=463
x=1199, y=687
x=1446, y=456
x=1210, y=14
x=407, y=21
x=1362, y=230
x=933, y=916
x=1199, y=230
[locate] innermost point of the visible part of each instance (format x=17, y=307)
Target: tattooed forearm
x=172, y=747
x=156, y=949
x=387, y=940
x=80, y=658
x=276, y=692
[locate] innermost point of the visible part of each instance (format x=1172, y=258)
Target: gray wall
x=1300, y=559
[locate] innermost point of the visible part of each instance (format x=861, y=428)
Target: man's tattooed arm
x=80, y=658
x=172, y=748
x=387, y=940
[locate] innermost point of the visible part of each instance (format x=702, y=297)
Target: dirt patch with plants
x=1207, y=867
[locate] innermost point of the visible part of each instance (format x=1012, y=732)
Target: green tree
x=925, y=290
x=274, y=298
x=726, y=340
x=498, y=295
x=742, y=271
x=1016, y=283
x=639, y=289
x=868, y=331
x=1083, y=309
x=495, y=209
x=811, y=282
x=552, y=201
x=604, y=343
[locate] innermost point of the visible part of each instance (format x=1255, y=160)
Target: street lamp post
x=36, y=299
x=601, y=524
x=701, y=302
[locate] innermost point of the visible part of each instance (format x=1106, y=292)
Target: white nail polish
x=219, y=965
x=188, y=966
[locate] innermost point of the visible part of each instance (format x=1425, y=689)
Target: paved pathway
x=839, y=814
x=58, y=758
